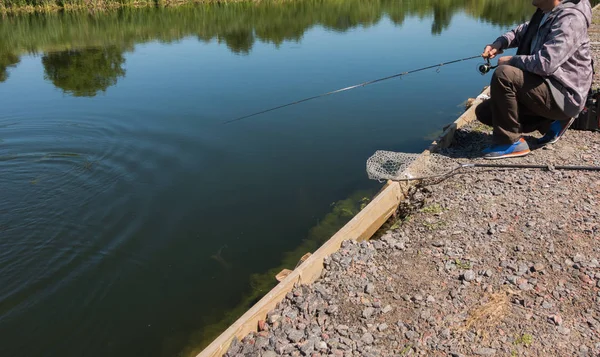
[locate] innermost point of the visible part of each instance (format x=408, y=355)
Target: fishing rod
x=481, y=69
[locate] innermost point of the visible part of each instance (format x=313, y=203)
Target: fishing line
x=354, y=86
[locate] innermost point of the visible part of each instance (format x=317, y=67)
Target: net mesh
x=399, y=166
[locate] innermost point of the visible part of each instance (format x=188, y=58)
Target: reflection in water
x=7, y=59
x=84, y=72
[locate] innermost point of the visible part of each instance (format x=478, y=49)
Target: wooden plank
x=361, y=227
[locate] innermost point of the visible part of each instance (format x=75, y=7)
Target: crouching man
x=545, y=86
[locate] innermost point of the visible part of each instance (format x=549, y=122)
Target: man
x=545, y=86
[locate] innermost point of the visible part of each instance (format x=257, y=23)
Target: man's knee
x=506, y=74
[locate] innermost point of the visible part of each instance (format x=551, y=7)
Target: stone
x=537, y=267
x=295, y=335
x=469, y=275
x=367, y=338
x=370, y=288
x=268, y=354
x=484, y=351
x=411, y=335
x=368, y=312
x=382, y=327
x=556, y=319
x=387, y=309
x=274, y=318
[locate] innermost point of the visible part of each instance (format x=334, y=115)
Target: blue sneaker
x=516, y=149
x=557, y=129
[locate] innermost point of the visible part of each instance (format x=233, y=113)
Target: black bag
x=589, y=118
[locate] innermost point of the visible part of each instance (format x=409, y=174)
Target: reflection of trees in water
x=239, y=25
x=7, y=60
x=240, y=41
x=84, y=72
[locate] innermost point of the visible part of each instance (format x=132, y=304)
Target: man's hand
x=491, y=51
x=504, y=60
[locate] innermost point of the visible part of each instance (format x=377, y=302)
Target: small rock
x=332, y=309
x=488, y=273
x=547, y=305
x=368, y=312
x=271, y=353
x=525, y=286
x=556, y=319
x=438, y=243
x=469, y=275
x=367, y=338
x=485, y=351
x=563, y=330
x=274, y=318
x=537, y=267
x=295, y=335
x=387, y=309
x=307, y=347
x=370, y=288
x=322, y=345
x=578, y=258
x=382, y=327
x=261, y=342
x=411, y=335
x=445, y=333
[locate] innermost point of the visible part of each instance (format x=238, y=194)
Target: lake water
x=134, y=222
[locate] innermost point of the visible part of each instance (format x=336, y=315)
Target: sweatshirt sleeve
x=560, y=44
x=513, y=37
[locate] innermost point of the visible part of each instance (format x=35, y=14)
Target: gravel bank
x=484, y=263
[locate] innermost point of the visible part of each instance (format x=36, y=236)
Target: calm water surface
x=132, y=218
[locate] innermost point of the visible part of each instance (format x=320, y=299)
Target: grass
x=489, y=314
x=525, y=340
x=463, y=265
x=433, y=209
x=434, y=226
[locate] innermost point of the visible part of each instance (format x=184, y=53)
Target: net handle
x=531, y=166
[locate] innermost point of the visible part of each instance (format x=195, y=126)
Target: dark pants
x=521, y=102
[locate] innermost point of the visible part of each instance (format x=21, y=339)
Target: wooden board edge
x=360, y=227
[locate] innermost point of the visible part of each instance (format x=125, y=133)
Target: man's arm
x=565, y=38
x=513, y=37
x=508, y=40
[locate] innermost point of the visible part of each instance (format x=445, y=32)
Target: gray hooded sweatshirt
x=562, y=53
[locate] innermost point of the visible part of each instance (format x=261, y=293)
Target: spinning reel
x=485, y=67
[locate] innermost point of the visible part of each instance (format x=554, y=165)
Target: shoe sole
x=507, y=156
x=561, y=133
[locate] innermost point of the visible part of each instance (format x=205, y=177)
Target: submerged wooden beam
x=361, y=227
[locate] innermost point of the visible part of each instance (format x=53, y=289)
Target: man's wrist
x=499, y=44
